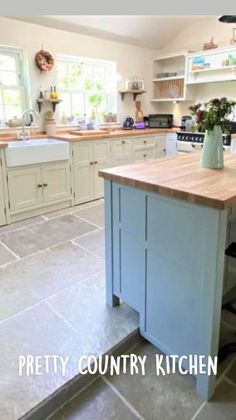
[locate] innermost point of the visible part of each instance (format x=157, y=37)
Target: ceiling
x=146, y=31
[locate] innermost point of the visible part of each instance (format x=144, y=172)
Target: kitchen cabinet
x=121, y=151
x=56, y=181
x=2, y=198
x=160, y=146
x=24, y=187
x=144, y=148
x=30, y=187
x=88, y=159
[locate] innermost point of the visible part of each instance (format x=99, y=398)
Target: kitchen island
x=166, y=232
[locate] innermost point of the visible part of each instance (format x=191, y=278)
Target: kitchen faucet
x=23, y=135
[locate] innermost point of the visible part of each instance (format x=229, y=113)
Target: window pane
x=1, y=114
x=12, y=111
x=7, y=62
x=88, y=83
x=65, y=105
x=75, y=76
x=11, y=97
x=62, y=76
x=8, y=78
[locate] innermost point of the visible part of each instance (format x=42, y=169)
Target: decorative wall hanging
x=210, y=45
x=44, y=60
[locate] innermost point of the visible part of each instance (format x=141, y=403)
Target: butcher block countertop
x=112, y=134
x=3, y=145
x=181, y=177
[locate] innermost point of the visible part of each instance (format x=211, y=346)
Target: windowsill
x=2, y=128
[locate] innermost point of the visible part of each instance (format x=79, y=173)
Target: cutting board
x=87, y=132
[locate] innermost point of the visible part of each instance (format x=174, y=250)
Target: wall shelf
x=135, y=93
x=54, y=103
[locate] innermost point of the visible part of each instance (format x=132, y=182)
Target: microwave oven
x=160, y=120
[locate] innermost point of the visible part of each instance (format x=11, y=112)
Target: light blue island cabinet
x=165, y=252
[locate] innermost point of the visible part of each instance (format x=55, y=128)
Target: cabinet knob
x=45, y=185
x=123, y=142
x=91, y=163
x=39, y=185
x=144, y=155
x=95, y=162
x=145, y=141
x=164, y=150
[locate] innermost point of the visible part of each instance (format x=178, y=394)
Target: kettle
x=128, y=123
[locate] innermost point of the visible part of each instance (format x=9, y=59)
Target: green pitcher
x=213, y=153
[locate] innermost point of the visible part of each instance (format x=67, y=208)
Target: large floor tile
x=5, y=255
x=93, y=214
x=21, y=224
x=222, y=406
x=97, y=402
x=93, y=242
x=37, y=277
x=170, y=397
x=43, y=235
x=36, y=331
x=84, y=306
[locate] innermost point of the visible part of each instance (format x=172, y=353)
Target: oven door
x=188, y=147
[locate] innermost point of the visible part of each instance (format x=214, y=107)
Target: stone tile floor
x=52, y=301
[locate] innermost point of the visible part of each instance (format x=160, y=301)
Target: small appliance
x=186, y=122
x=128, y=123
x=190, y=142
x=160, y=120
x=140, y=125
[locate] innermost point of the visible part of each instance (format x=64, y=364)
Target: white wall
x=192, y=38
x=131, y=60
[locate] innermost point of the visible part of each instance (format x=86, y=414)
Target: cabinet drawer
x=140, y=142
x=144, y=154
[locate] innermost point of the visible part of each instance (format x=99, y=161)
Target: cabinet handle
x=95, y=162
x=91, y=163
x=45, y=185
x=123, y=142
x=39, y=185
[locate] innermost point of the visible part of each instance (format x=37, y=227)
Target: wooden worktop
x=113, y=134
x=181, y=177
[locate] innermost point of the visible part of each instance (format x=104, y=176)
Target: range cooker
x=190, y=142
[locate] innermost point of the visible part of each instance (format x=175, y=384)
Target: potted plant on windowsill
x=213, y=118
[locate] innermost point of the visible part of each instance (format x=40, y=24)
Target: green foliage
x=212, y=113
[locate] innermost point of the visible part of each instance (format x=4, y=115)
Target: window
x=87, y=88
x=12, y=91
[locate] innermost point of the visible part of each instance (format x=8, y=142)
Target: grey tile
x=98, y=402
x=94, y=242
x=222, y=406
x=70, y=210
x=21, y=224
x=5, y=255
x=37, y=277
x=231, y=373
x=36, y=331
x=43, y=235
x=93, y=214
x=103, y=325
x=170, y=397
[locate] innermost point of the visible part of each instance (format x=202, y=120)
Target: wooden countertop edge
x=169, y=192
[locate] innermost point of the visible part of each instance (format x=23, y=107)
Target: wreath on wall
x=44, y=60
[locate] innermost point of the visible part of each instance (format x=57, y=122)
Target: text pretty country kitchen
x=108, y=364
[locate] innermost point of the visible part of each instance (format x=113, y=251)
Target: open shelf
x=132, y=91
x=214, y=69
x=54, y=103
x=168, y=99
x=162, y=79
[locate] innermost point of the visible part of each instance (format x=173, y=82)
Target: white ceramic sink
x=29, y=152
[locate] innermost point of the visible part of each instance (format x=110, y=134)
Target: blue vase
x=213, y=153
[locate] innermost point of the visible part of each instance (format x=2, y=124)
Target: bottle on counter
x=51, y=93
x=55, y=95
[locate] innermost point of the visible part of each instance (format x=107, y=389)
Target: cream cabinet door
x=2, y=201
x=83, y=172
x=160, y=146
x=121, y=151
x=101, y=161
x=56, y=181
x=25, y=188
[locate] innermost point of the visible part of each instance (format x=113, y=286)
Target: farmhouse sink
x=29, y=152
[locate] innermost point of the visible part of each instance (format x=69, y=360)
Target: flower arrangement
x=216, y=112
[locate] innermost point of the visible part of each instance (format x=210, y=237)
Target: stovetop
x=190, y=137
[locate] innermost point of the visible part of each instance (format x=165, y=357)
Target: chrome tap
x=23, y=135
